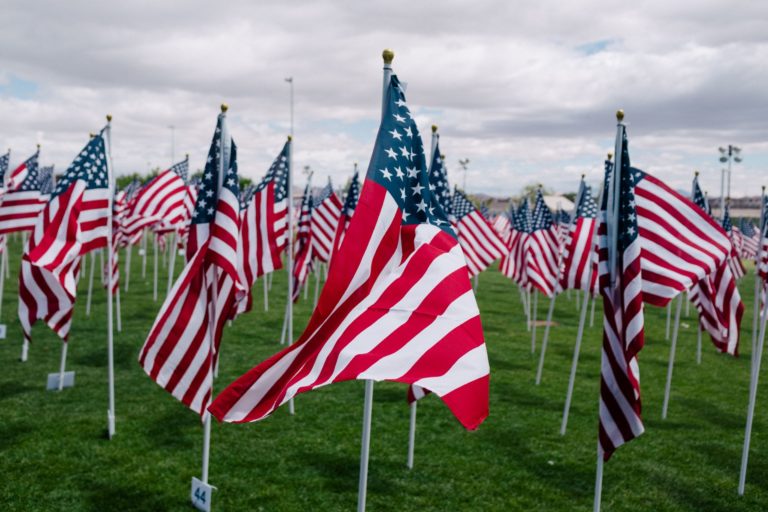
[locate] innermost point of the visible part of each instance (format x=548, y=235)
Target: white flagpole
x=266, y=295
x=672, y=348
x=698, y=341
x=110, y=256
x=90, y=284
x=62, y=364
x=289, y=305
x=128, y=251
x=102, y=279
x=669, y=320
x=144, y=255
x=612, y=225
x=533, y=321
x=755, y=376
x=3, y=266
x=154, y=249
x=171, y=262
x=557, y=285
x=582, y=322
x=387, y=56
x=756, y=302
x=5, y=257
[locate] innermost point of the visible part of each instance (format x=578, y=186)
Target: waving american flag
x=479, y=241
x=542, y=250
x=21, y=204
x=19, y=174
x=73, y=222
x=180, y=350
x=734, y=260
x=347, y=211
x=326, y=212
x=303, y=248
x=398, y=304
x=580, y=253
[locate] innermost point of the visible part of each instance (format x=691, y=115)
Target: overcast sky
x=527, y=91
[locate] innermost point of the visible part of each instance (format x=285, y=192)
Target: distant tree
x=571, y=196
x=529, y=191
x=245, y=182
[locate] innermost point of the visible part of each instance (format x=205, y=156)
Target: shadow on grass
x=116, y=496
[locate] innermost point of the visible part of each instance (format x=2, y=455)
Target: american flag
x=716, y=298
x=5, y=161
x=623, y=321
x=19, y=174
x=698, y=197
x=737, y=269
x=562, y=225
x=514, y=266
x=580, y=252
x=479, y=242
x=326, y=212
x=502, y=224
x=438, y=182
x=398, y=304
x=542, y=249
x=347, y=211
x=47, y=181
x=22, y=203
x=190, y=198
x=159, y=203
x=750, y=240
x=264, y=221
x=303, y=248
x=181, y=348
x=762, y=258
x=73, y=222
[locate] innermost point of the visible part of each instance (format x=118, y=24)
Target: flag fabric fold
x=397, y=305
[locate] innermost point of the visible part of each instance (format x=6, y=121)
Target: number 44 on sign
x=201, y=495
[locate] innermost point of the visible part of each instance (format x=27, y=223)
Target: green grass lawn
x=54, y=454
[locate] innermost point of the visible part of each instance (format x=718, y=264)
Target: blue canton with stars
x=587, y=207
x=727, y=224
x=438, y=181
x=246, y=196
x=324, y=194
x=132, y=189
x=511, y=215
x=278, y=172
x=46, y=180
x=89, y=166
x=563, y=217
x=353, y=194
x=747, y=228
x=4, y=161
x=32, y=179
x=627, y=229
x=398, y=163
x=542, y=216
x=181, y=169
x=698, y=197
x=461, y=206
x=523, y=217
x=208, y=194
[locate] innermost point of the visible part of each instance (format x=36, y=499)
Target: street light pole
x=463, y=163
x=730, y=155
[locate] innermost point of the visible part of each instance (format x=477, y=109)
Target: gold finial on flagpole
x=610, y=156
x=582, y=176
x=91, y=135
x=696, y=173
x=38, y=147
x=434, y=128
x=290, y=138
x=442, y=157
x=224, y=108
x=388, y=56
x=109, y=118
x=619, y=115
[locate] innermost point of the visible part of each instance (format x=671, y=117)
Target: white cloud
x=526, y=92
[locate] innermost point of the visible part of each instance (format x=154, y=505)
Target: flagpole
x=756, y=302
x=387, y=56
x=582, y=322
x=2, y=271
x=612, y=225
x=289, y=305
x=672, y=348
x=90, y=284
x=128, y=251
x=154, y=257
x=551, y=311
x=533, y=320
x=669, y=320
x=171, y=262
x=755, y=375
x=414, y=404
x=144, y=255
x=266, y=296
x=110, y=256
